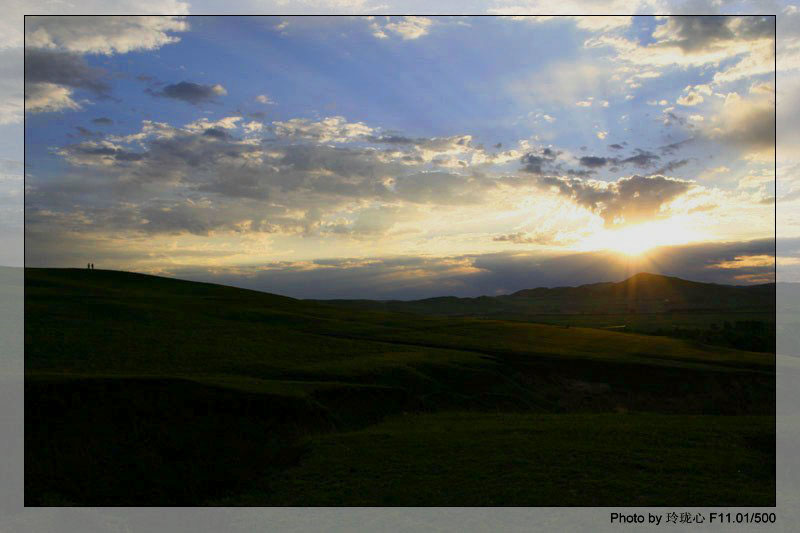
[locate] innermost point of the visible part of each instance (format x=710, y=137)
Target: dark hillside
x=178, y=393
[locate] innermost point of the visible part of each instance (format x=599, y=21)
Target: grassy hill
x=142, y=390
x=726, y=315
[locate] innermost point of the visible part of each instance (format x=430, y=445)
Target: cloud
x=52, y=76
x=746, y=42
x=369, y=222
x=642, y=158
x=746, y=122
x=671, y=166
x=193, y=93
x=331, y=129
x=538, y=162
x=40, y=97
x=203, y=124
x=698, y=34
x=694, y=95
x=595, y=162
x=695, y=40
x=219, y=164
x=407, y=27
x=63, y=68
x=410, y=27
x=54, y=64
x=442, y=188
x=102, y=121
x=102, y=35
x=538, y=237
x=264, y=99
x=625, y=201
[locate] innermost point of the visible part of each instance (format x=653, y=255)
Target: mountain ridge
x=643, y=286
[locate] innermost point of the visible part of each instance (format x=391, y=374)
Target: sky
x=405, y=157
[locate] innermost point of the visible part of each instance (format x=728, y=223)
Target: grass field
x=143, y=390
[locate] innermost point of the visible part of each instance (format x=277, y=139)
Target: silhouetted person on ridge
x=88, y=266
x=92, y=266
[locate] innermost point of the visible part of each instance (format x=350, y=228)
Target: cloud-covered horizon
x=414, y=277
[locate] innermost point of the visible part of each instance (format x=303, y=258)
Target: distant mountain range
x=641, y=293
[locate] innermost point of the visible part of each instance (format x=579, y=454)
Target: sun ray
x=635, y=240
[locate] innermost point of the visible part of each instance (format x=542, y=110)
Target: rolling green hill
x=726, y=315
x=143, y=390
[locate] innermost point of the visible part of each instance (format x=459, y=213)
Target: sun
x=638, y=239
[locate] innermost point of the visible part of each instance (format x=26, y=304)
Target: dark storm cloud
x=63, y=68
x=193, y=93
x=217, y=133
x=533, y=164
x=595, y=162
x=103, y=121
x=616, y=146
x=641, y=158
x=538, y=163
x=694, y=34
x=624, y=201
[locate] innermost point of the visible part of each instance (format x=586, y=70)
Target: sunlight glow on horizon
x=637, y=239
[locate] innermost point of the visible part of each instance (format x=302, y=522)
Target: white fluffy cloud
x=40, y=97
x=693, y=95
x=407, y=28
x=103, y=35
x=331, y=129
x=695, y=41
x=410, y=27
x=747, y=122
